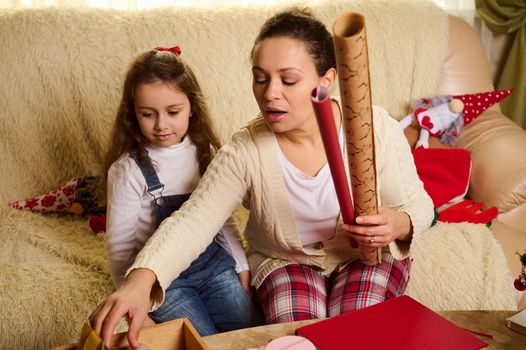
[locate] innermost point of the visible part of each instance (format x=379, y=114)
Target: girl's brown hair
x=149, y=67
x=302, y=25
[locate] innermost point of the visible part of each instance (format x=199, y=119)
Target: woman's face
x=284, y=74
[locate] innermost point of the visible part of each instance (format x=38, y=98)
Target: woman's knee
x=357, y=285
x=293, y=293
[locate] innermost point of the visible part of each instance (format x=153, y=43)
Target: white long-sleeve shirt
x=130, y=213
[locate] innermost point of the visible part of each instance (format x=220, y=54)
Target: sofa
x=61, y=79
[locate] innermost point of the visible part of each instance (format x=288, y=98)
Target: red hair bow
x=176, y=49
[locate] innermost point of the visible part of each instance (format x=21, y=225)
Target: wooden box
x=172, y=335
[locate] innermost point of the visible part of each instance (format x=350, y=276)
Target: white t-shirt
x=313, y=200
x=130, y=213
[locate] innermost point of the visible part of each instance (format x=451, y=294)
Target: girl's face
x=163, y=113
x=284, y=74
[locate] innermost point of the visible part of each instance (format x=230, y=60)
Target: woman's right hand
x=132, y=299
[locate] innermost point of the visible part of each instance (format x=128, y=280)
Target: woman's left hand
x=380, y=229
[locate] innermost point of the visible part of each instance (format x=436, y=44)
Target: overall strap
x=148, y=171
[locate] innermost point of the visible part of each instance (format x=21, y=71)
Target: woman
x=301, y=262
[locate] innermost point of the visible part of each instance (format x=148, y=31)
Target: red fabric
x=468, y=211
x=97, y=223
x=475, y=104
x=176, y=49
x=445, y=173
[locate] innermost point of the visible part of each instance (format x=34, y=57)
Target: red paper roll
x=329, y=135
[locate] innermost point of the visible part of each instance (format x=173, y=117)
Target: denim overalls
x=208, y=292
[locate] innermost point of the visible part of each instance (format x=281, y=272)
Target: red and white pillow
x=57, y=201
x=73, y=197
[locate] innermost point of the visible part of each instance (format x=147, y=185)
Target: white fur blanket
x=61, y=78
x=461, y=267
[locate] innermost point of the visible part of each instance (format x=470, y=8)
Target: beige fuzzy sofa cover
x=60, y=81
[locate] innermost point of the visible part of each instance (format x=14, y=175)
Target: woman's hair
x=149, y=67
x=300, y=24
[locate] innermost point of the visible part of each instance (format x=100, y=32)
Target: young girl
x=162, y=143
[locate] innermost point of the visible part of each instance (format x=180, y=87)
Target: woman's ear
x=328, y=79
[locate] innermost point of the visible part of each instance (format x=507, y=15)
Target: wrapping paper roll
x=350, y=43
x=322, y=107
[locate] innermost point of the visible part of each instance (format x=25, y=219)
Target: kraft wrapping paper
x=350, y=43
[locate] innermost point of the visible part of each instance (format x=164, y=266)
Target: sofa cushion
x=62, y=73
x=470, y=252
x=54, y=272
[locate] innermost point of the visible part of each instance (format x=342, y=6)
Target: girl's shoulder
x=123, y=167
x=125, y=160
x=124, y=176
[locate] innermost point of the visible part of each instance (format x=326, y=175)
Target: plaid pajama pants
x=299, y=292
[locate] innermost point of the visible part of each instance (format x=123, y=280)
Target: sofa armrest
x=499, y=163
x=496, y=143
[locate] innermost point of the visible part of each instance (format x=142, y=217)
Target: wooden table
x=489, y=322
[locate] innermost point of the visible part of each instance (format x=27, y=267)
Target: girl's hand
x=132, y=299
x=380, y=229
x=244, y=278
